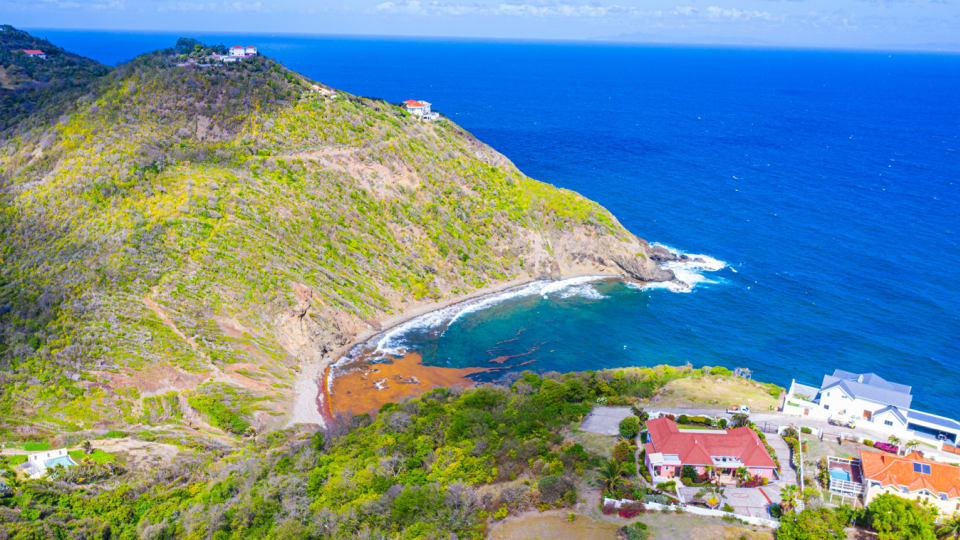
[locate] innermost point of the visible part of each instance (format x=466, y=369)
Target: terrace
x=846, y=477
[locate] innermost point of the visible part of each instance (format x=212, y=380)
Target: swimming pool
x=840, y=474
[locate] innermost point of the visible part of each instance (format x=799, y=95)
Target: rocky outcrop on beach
x=234, y=223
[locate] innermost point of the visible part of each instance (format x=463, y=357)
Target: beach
x=310, y=405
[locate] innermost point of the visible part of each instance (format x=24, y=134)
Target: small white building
x=250, y=51
x=35, y=53
x=39, y=463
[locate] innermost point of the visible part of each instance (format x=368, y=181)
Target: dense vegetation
x=444, y=463
x=35, y=90
x=232, y=222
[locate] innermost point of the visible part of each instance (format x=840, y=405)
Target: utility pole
x=800, y=503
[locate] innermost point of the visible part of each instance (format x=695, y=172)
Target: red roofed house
x=717, y=452
x=911, y=477
x=417, y=107
x=35, y=53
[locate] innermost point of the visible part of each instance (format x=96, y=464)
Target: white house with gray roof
x=869, y=399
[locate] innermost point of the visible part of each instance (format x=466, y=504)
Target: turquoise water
x=829, y=182
x=840, y=474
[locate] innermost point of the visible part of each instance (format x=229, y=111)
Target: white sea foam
x=392, y=341
x=688, y=272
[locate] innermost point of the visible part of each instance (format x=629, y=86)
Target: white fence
x=758, y=521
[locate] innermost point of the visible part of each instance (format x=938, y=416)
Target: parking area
x=605, y=420
x=752, y=502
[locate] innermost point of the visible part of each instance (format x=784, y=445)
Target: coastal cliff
x=187, y=242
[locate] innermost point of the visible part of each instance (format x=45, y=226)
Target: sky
x=870, y=24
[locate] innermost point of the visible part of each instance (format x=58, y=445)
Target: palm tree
x=610, y=475
x=895, y=441
x=950, y=528
x=740, y=420
x=912, y=445
x=788, y=497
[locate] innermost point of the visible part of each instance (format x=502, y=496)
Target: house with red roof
x=714, y=453
x=36, y=53
x=241, y=51
x=417, y=107
x=911, y=477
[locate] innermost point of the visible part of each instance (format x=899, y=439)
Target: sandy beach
x=309, y=401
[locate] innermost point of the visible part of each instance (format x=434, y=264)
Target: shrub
x=553, y=488
x=635, y=531
x=806, y=430
x=630, y=509
x=623, y=452
x=727, y=508
x=629, y=427
x=609, y=507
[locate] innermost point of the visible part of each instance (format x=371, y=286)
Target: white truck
x=736, y=409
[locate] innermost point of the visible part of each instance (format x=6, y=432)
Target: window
x=943, y=496
x=904, y=489
x=921, y=468
x=826, y=407
x=887, y=423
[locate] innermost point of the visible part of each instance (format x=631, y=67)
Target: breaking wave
x=392, y=341
x=688, y=272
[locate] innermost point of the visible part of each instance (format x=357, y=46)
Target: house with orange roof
x=911, y=477
x=420, y=109
x=36, y=53
x=718, y=453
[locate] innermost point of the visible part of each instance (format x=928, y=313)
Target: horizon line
x=482, y=39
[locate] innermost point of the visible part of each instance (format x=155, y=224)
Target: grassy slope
x=228, y=223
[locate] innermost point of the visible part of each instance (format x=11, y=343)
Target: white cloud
x=717, y=12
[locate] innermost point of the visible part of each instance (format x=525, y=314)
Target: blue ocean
x=828, y=182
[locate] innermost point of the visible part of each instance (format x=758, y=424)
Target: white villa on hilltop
x=241, y=51
x=420, y=109
x=39, y=463
x=871, y=399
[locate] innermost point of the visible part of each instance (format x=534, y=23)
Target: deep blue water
x=829, y=181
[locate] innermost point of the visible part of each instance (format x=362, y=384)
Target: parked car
x=734, y=409
x=842, y=422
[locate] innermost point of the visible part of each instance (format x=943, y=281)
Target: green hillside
x=234, y=224
x=34, y=90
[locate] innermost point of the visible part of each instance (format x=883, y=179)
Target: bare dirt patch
x=139, y=454
x=711, y=392
x=155, y=379
x=551, y=526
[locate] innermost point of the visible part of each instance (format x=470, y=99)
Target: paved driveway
x=605, y=420
x=745, y=501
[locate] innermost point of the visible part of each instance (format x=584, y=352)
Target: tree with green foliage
x=814, y=524
x=949, y=528
x=611, y=475
x=740, y=420
x=629, y=427
x=896, y=518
